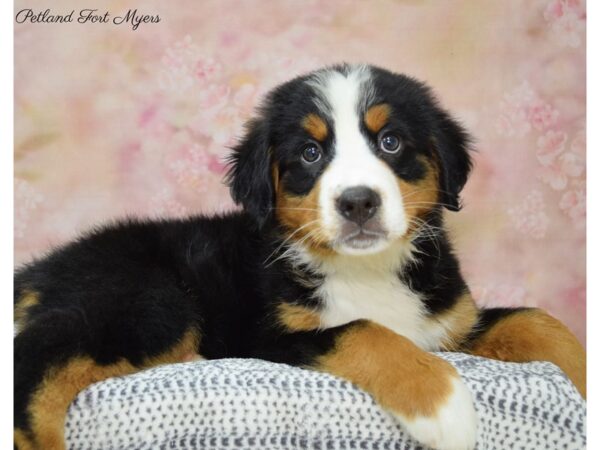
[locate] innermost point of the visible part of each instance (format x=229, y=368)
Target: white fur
x=354, y=163
x=454, y=427
x=368, y=287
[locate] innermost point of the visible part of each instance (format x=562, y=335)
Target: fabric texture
x=237, y=403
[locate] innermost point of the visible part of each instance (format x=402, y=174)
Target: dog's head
x=349, y=159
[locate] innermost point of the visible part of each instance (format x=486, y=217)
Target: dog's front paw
x=453, y=425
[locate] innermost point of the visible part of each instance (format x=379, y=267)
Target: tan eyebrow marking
x=377, y=116
x=315, y=126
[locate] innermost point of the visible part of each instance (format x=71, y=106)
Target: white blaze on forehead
x=354, y=163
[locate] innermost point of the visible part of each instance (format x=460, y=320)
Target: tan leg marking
x=186, y=346
x=22, y=441
x=401, y=376
x=377, y=117
x=533, y=335
x=458, y=322
x=50, y=402
x=315, y=126
x=298, y=318
x=190, y=357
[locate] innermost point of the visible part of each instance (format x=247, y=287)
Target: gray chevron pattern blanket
x=253, y=404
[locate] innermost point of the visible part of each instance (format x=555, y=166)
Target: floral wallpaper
x=112, y=121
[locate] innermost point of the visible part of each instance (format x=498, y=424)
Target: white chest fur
x=382, y=299
x=372, y=290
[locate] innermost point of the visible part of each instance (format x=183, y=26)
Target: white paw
x=454, y=427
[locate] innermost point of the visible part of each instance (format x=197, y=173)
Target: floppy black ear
x=452, y=143
x=249, y=177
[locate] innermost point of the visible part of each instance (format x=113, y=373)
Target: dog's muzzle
x=358, y=204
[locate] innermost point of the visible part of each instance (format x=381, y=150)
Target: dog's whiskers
x=307, y=224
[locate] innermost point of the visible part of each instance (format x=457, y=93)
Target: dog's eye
x=311, y=153
x=390, y=143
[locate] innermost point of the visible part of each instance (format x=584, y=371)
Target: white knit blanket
x=235, y=403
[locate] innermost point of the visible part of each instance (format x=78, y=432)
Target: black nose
x=358, y=204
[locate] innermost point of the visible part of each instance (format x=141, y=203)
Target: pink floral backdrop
x=113, y=122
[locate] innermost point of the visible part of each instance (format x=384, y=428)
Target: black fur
x=131, y=289
x=250, y=177
x=435, y=271
x=451, y=143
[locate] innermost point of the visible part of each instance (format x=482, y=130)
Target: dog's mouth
x=362, y=237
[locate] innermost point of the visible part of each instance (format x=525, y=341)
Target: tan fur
x=187, y=345
x=300, y=216
x=400, y=376
x=26, y=301
x=533, y=335
x=377, y=117
x=21, y=440
x=275, y=176
x=315, y=126
x=421, y=196
x=459, y=321
x=298, y=318
x=51, y=400
x=49, y=404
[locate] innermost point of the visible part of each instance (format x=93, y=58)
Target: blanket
x=246, y=403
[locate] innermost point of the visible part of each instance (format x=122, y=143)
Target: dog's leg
x=529, y=334
x=424, y=392
x=53, y=363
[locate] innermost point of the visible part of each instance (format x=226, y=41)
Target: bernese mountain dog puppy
x=338, y=262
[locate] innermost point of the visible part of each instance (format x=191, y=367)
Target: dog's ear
x=452, y=144
x=250, y=176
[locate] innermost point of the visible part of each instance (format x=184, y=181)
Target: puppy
x=339, y=262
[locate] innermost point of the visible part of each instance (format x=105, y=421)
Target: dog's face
x=349, y=159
